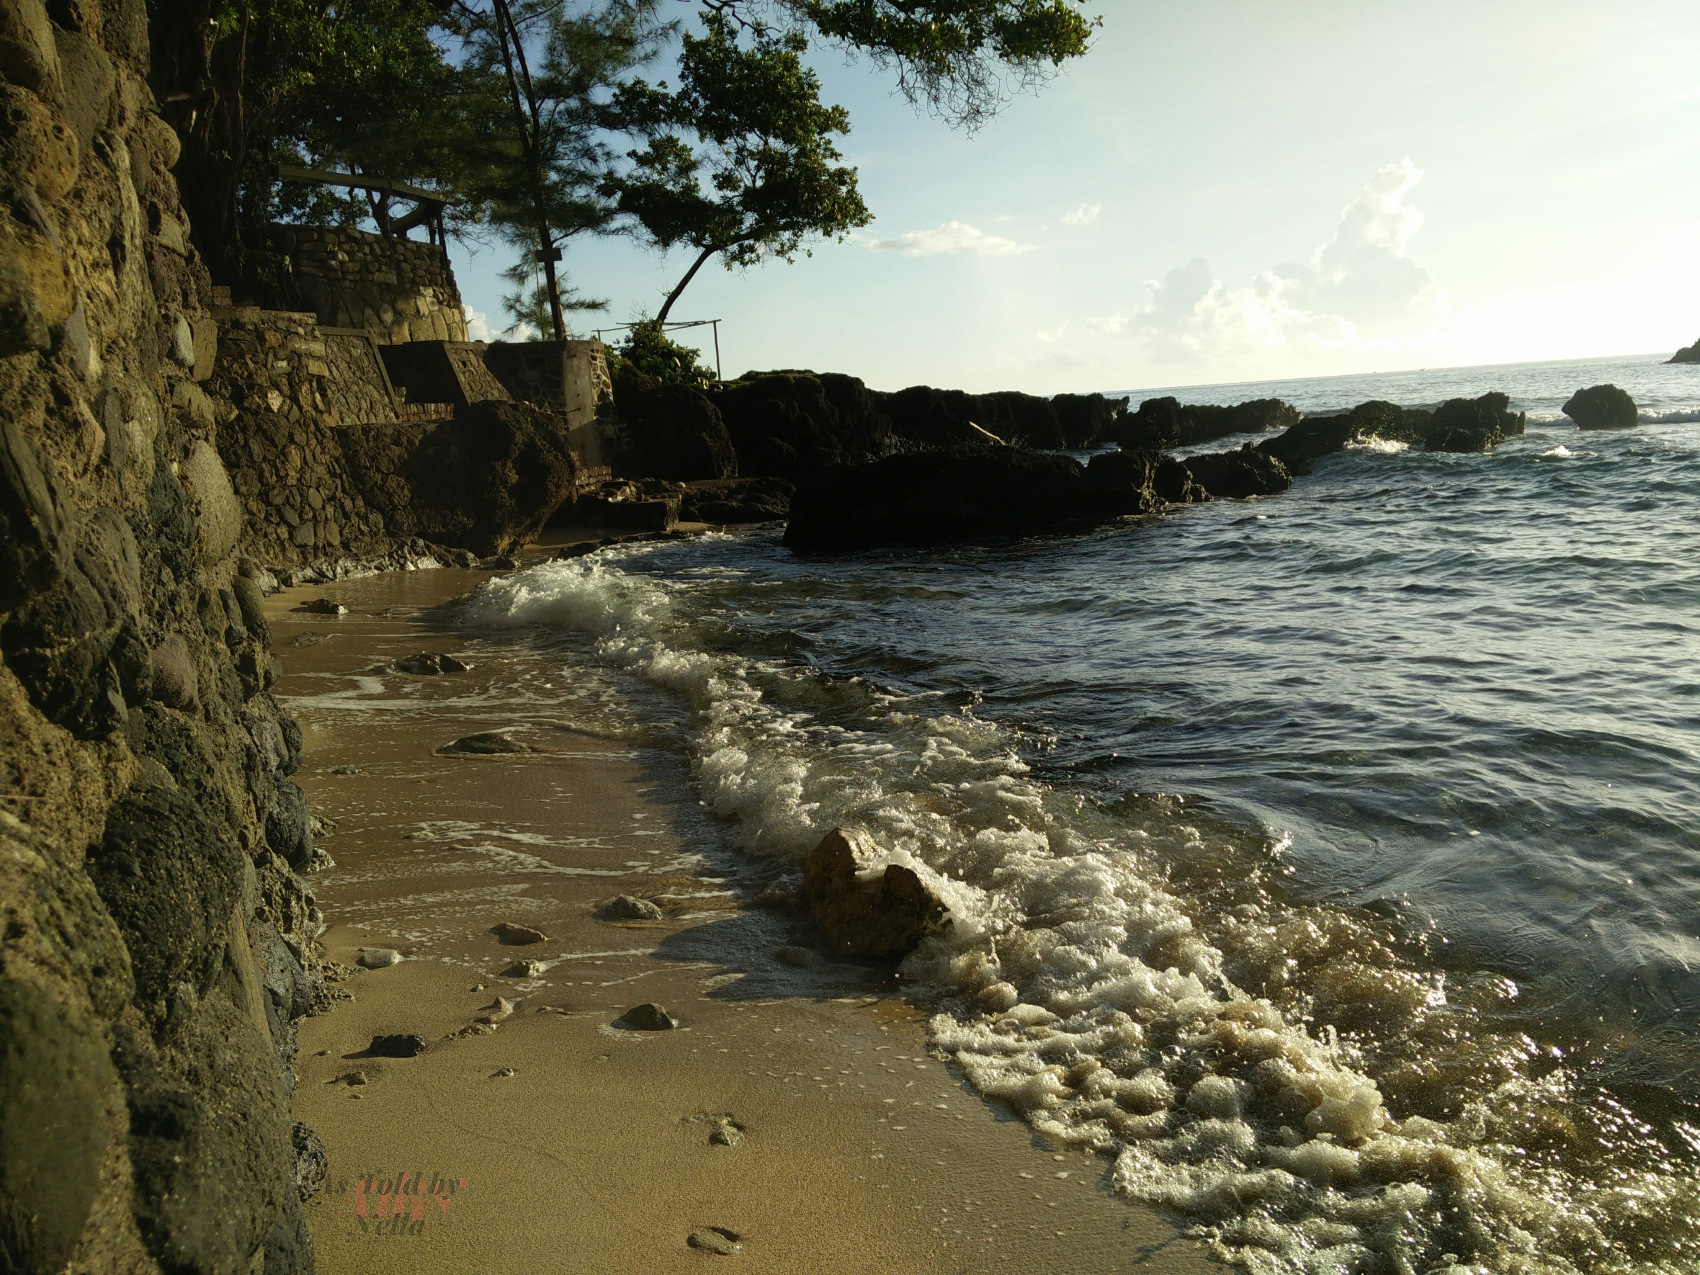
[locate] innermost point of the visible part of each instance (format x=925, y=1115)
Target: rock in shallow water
x=517, y=935
x=323, y=606
x=648, y=1017
x=628, y=907
x=523, y=969
x=1602, y=407
x=485, y=744
x=378, y=958
x=885, y=914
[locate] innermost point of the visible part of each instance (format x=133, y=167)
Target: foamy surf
x=1289, y=1077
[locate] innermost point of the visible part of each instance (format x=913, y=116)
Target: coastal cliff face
x=157, y=940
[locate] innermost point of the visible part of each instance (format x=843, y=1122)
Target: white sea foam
x=1083, y=993
x=1380, y=446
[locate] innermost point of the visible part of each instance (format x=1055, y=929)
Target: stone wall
x=157, y=943
x=398, y=289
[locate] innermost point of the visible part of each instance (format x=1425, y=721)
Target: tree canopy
x=740, y=160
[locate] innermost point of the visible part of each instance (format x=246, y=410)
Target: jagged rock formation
x=865, y=909
x=1162, y=423
x=1602, y=407
x=157, y=943
x=1688, y=354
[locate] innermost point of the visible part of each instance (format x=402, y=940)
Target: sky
x=1231, y=190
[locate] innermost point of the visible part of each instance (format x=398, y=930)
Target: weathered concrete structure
x=397, y=289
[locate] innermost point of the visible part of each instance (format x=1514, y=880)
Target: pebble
x=378, y=958
x=351, y=1078
x=726, y=1133
x=715, y=1240
x=517, y=935
x=503, y=1073
x=345, y=770
x=648, y=1017
x=323, y=606
x=521, y=969
x=485, y=744
x=399, y=1045
x=493, y=1014
x=628, y=907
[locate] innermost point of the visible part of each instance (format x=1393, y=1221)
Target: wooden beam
x=358, y=181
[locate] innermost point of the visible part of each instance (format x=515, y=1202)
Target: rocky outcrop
x=1688, y=354
x=954, y=494
x=732, y=500
x=487, y=481
x=864, y=908
x=1471, y=424
x=157, y=944
x=673, y=432
x=1164, y=423
x=1602, y=407
x=1238, y=474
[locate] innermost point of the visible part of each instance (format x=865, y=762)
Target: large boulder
x=670, y=431
x=953, y=494
x=1688, y=354
x=737, y=500
x=1602, y=407
x=1162, y=423
x=1317, y=436
x=1238, y=474
x=864, y=908
x=1085, y=420
x=799, y=425
x=1471, y=424
x=486, y=481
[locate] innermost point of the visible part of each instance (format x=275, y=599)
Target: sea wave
x=1130, y=978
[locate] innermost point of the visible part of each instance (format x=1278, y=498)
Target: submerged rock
x=628, y=907
x=428, y=664
x=1602, y=407
x=517, y=935
x=485, y=744
x=648, y=1017
x=865, y=911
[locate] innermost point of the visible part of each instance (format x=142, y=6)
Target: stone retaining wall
x=398, y=289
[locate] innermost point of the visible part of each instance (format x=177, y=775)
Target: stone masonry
x=398, y=289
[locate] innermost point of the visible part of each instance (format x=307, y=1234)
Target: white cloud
x=953, y=236
x=1051, y=338
x=478, y=328
x=1108, y=325
x=1084, y=215
x=1360, y=289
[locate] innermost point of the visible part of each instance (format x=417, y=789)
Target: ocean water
x=1329, y=862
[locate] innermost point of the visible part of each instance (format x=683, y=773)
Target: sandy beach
x=793, y=1118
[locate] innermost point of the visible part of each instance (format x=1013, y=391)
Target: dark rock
x=311, y=1163
x=1688, y=354
x=428, y=664
x=323, y=606
x=486, y=481
x=886, y=916
x=737, y=500
x=670, y=431
x=289, y=828
x=1602, y=407
x=1087, y=419
x=799, y=425
x=512, y=935
x=926, y=497
x=523, y=969
x=647, y=1017
x=252, y=603
x=55, y=1078
x=168, y=875
x=583, y=549
x=485, y=744
x=1147, y=480
x=717, y=1240
x=1238, y=474
x=1471, y=424
x=1162, y=423
x=173, y=682
x=399, y=1045
x=626, y=907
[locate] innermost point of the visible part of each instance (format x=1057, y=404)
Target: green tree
x=538, y=157
x=740, y=160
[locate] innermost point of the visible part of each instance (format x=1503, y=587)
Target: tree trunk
x=667, y=305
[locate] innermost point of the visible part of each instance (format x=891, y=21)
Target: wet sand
x=857, y=1153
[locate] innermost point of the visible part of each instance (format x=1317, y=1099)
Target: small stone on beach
x=715, y=1240
x=378, y=958
x=485, y=744
x=493, y=1014
x=323, y=606
x=648, y=1017
x=523, y=969
x=429, y=664
x=345, y=770
x=517, y=935
x=399, y=1045
x=350, y=1078
x=628, y=907
x=503, y=1073
x=726, y=1133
